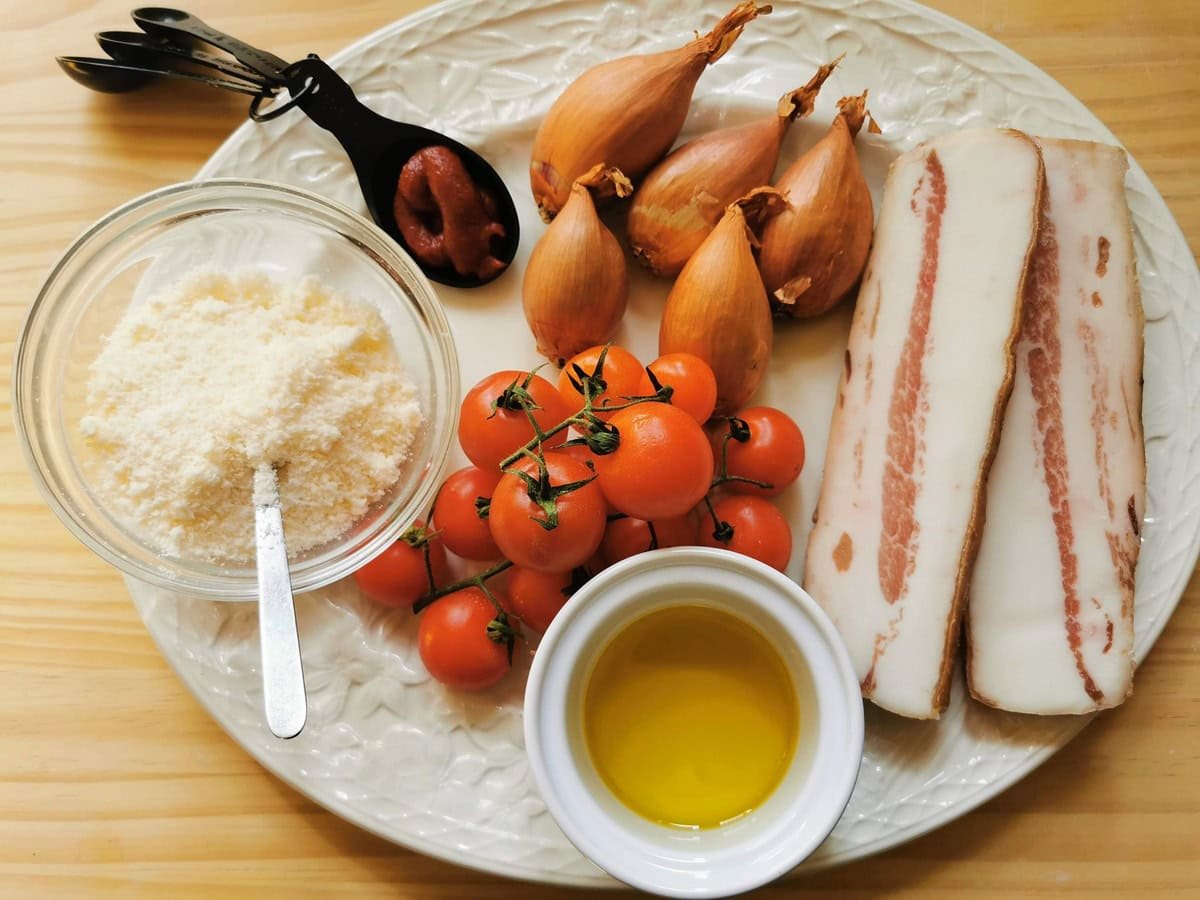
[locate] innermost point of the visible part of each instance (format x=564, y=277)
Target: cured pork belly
x=928, y=371
x=1050, y=617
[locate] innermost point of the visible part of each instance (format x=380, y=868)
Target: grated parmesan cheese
x=199, y=386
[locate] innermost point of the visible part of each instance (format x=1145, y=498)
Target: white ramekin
x=760, y=846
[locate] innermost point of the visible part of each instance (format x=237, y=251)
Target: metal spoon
x=175, y=24
x=282, y=671
x=138, y=49
x=379, y=147
x=112, y=77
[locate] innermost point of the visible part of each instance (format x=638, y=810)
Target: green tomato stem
x=473, y=581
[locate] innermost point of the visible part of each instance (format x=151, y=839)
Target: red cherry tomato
x=773, y=451
x=536, y=597
x=456, y=518
x=581, y=453
x=517, y=520
x=622, y=375
x=759, y=530
x=397, y=576
x=694, y=386
x=454, y=641
x=596, y=564
x=492, y=425
x=663, y=465
x=628, y=536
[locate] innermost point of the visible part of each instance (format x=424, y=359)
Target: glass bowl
x=228, y=225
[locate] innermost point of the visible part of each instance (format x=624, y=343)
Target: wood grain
x=116, y=784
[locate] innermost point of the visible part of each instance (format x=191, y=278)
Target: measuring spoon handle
x=166, y=22
x=102, y=74
x=136, y=48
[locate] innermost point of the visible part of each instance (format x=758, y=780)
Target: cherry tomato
x=536, y=597
x=588, y=458
x=517, y=520
x=595, y=565
x=773, y=451
x=581, y=453
x=693, y=382
x=489, y=430
x=455, y=644
x=622, y=375
x=628, y=536
x=397, y=576
x=456, y=518
x=663, y=465
x=759, y=530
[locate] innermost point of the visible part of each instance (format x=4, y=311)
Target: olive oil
x=690, y=717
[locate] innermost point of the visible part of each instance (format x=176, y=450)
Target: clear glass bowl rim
x=237, y=587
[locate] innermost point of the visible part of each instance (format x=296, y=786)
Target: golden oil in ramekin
x=690, y=716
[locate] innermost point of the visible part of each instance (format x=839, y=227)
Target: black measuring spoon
x=175, y=24
x=112, y=77
x=139, y=49
x=379, y=147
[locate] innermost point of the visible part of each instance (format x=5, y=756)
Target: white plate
x=391, y=751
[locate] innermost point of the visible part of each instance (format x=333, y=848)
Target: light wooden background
x=113, y=781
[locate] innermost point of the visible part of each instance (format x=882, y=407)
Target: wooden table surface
x=114, y=782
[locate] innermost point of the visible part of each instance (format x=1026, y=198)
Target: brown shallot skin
x=718, y=308
x=576, y=284
x=445, y=218
x=684, y=196
x=814, y=253
x=624, y=113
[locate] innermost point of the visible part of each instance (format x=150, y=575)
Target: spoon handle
x=377, y=146
x=282, y=671
x=89, y=71
x=166, y=22
x=137, y=48
x=330, y=102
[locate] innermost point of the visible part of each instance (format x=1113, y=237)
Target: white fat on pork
x=1050, y=615
x=928, y=370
